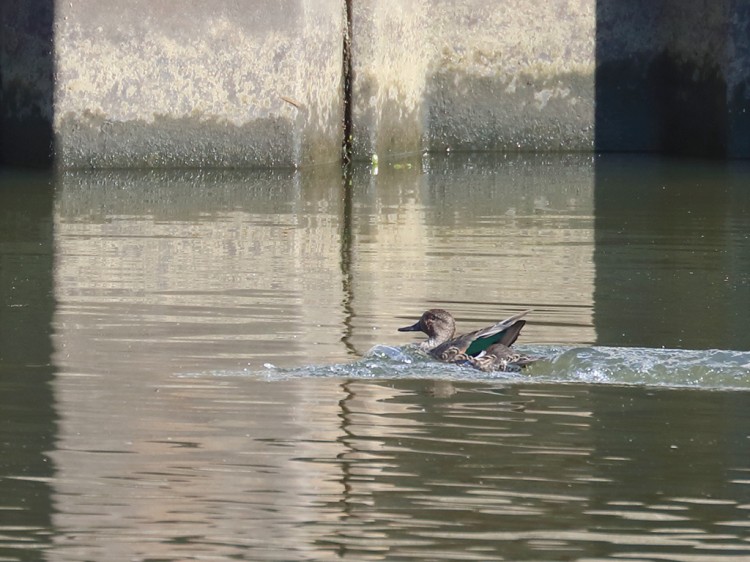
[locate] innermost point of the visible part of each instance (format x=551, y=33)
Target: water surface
x=205, y=364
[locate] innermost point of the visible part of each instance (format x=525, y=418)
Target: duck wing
x=471, y=344
x=504, y=332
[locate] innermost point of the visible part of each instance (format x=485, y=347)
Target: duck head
x=437, y=323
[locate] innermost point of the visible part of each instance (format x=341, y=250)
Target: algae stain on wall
x=150, y=78
x=474, y=75
x=391, y=51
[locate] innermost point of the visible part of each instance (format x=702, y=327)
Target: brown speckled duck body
x=487, y=349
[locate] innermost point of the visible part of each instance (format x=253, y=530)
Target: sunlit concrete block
x=513, y=76
x=392, y=49
x=473, y=75
x=577, y=75
x=180, y=83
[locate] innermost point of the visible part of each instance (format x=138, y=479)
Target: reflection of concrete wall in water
x=162, y=271
x=276, y=467
x=219, y=270
x=521, y=232
x=198, y=459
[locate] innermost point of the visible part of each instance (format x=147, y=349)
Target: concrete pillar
x=392, y=48
x=473, y=75
x=178, y=82
x=602, y=75
x=513, y=76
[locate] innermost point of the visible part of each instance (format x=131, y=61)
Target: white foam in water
x=392, y=353
x=709, y=369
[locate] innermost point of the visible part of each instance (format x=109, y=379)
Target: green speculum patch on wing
x=481, y=344
x=508, y=337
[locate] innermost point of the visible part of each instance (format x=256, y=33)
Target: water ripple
x=704, y=369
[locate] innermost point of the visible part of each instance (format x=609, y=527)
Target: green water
x=205, y=365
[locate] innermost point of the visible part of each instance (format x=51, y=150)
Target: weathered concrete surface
x=473, y=75
x=605, y=75
x=190, y=83
x=161, y=83
x=513, y=76
x=392, y=48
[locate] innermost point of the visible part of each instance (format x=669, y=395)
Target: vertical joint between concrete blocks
x=347, y=70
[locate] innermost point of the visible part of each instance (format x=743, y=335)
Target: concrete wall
x=473, y=75
x=391, y=50
x=102, y=83
x=673, y=76
x=181, y=82
x=606, y=75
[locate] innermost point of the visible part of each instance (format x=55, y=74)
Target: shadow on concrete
x=661, y=72
x=26, y=82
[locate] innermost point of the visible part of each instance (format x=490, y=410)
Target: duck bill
x=412, y=328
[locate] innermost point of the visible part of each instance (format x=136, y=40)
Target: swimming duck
x=487, y=349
